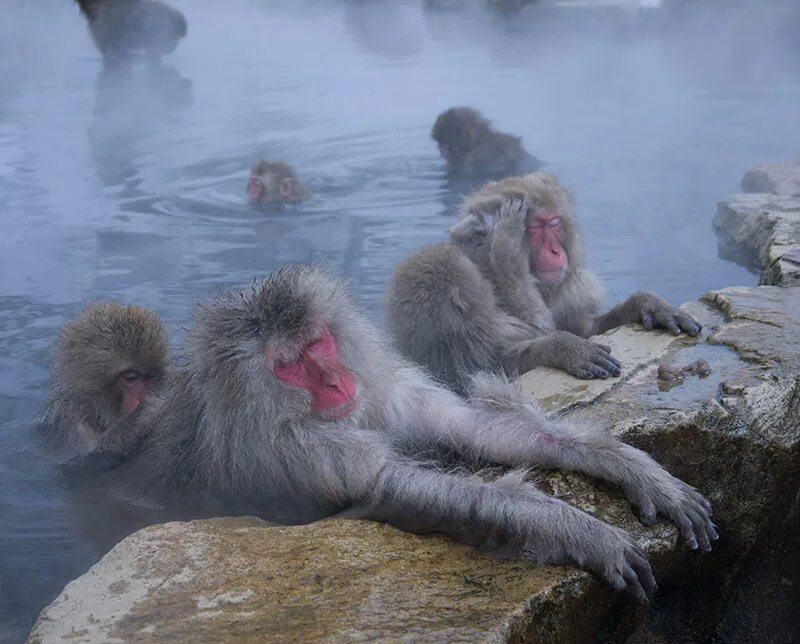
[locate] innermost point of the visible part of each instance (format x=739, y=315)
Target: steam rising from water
x=132, y=186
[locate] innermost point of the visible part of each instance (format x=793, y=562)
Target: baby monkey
x=275, y=182
x=108, y=360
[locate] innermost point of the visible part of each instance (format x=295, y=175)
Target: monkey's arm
x=563, y=350
x=499, y=424
x=652, y=311
x=548, y=530
x=510, y=265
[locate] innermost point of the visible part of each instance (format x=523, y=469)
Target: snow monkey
x=108, y=360
x=510, y=293
x=468, y=144
x=275, y=182
x=122, y=28
x=288, y=400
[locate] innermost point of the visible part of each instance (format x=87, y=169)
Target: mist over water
x=132, y=187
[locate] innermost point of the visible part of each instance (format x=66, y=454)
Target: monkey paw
x=680, y=502
x=614, y=555
x=510, y=251
x=655, y=312
x=580, y=357
x=513, y=211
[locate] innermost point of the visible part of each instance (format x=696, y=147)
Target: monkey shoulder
x=436, y=273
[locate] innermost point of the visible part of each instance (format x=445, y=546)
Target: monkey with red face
x=510, y=293
x=275, y=182
x=108, y=361
x=290, y=404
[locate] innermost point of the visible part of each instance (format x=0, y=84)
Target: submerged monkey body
x=509, y=292
x=241, y=421
x=470, y=146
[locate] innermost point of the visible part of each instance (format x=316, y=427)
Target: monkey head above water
x=275, y=182
x=468, y=143
x=510, y=292
x=108, y=360
x=289, y=403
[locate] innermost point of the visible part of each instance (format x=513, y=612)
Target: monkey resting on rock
x=289, y=402
x=509, y=292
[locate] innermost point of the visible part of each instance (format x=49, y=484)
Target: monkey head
x=284, y=346
x=550, y=230
x=112, y=354
x=275, y=182
x=456, y=131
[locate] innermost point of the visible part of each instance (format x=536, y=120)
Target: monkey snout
x=331, y=379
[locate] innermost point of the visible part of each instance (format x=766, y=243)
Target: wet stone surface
x=765, y=221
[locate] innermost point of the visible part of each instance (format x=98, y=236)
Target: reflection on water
x=132, y=186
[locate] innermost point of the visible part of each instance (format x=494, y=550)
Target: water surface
x=133, y=188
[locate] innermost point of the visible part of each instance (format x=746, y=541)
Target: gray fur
x=82, y=414
x=226, y=427
x=476, y=305
x=121, y=28
x=475, y=147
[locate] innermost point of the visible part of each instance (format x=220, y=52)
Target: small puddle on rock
x=670, y=392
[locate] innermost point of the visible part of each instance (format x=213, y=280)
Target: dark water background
x=133, y=189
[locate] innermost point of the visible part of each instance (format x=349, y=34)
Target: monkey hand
x=509, y=251
x=655, y=312
x=576, y=355
x=614, y=555
x=657, y=491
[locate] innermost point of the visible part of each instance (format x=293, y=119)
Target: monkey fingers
x=681, y=503
x=676, y=321
x=513, y=210
x=638, y=576
x=687, y=323
x=596, y=362
x=509, y=226
x=624, y=564
x=654, y=312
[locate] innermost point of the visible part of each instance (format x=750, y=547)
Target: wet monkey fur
x=107, y=362
x=468, y=144
x=275, y=182
x=509, y=292
x=288, y=400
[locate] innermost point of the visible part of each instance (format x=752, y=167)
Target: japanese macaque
x=468, y=144
x=123, y=28
x=510, y=293
x=108, y=360
x=287, y=397
x=275, y=182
